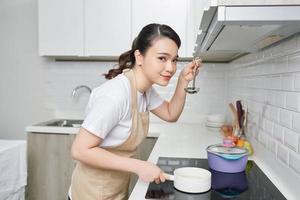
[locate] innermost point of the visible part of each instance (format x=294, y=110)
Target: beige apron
x=90, y=183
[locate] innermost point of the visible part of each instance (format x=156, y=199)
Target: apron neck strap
x=131, y=76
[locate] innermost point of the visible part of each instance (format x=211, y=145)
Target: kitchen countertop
x=63, y=130
x=191, y=140
x=51, y=129
x=42, y=128
x=177, y=140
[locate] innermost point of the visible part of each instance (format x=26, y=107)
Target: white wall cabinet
x=170, y=12
x=60, y=26
x=84, y=27
x=106, y=28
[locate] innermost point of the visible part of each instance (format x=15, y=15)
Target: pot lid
x=220, y=149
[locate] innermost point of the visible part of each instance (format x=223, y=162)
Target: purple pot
x=221, y=164
x=236, y=181
x=228, y=185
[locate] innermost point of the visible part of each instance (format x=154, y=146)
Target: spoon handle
x=194, y=80
x=196, y=59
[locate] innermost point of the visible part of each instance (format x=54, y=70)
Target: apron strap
x=131, y=76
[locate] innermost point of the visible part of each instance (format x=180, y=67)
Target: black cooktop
x=251, y=184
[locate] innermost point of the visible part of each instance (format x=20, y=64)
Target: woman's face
x=159, y=62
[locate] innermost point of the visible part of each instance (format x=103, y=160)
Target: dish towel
x=13, y=169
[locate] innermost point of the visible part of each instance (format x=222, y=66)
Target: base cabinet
x=50, y=166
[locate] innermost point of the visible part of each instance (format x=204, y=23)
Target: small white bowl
x=213, y=129
x=214, y=124
x=216, y=118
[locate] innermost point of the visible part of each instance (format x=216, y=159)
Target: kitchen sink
x=64, y=123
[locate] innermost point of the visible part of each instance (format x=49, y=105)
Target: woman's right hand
x=149, y=172
x=191, y=69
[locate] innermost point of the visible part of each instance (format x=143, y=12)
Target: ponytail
x=126, y=60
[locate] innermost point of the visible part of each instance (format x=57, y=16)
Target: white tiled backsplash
x=211, y=98
x=63, y=77
x=268, y=82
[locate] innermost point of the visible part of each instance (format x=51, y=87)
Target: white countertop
x=51, y=129
x=177, y=140
x=42, y=128
x=191, y=140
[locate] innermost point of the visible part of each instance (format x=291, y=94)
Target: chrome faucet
x=75, y=90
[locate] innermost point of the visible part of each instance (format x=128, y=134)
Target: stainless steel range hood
x=228, y=32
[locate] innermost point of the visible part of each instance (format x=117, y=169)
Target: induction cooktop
x=250, y=184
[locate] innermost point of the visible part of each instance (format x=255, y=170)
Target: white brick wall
x=295, y=162
x=63, y=77
x=269, y=83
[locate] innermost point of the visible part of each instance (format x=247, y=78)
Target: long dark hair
x=142, y=43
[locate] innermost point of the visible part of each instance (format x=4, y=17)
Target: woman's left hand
x=191, y=69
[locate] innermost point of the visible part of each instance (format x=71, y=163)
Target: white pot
x=191, y=179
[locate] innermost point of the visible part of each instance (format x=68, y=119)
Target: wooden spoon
x=235, y=117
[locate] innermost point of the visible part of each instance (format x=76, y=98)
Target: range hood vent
x=228, y=32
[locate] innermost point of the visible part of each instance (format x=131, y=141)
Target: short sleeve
x=155, y=100
x=103, y=113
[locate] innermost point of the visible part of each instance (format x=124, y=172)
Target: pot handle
x=168, y=176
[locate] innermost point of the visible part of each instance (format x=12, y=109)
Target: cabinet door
x=107, y=27
x=50, y=166
x=170, y=12
x=60, y=26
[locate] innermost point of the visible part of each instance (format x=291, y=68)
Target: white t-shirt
x=108, y=113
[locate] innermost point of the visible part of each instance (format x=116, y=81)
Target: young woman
x=117, y=117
